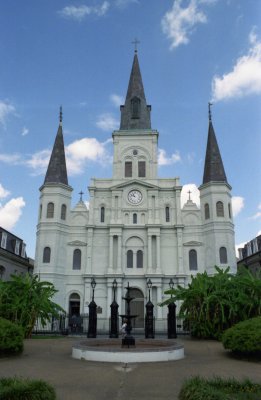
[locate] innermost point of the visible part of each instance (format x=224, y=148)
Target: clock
x=135, y=196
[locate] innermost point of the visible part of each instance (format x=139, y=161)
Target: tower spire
x=135, y=114
x=57, y=171
x=214, y=170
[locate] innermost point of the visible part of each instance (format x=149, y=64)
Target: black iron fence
x=78, y=325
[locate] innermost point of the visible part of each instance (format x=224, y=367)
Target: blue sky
x=78, y=54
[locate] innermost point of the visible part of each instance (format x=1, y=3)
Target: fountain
x=128, y=340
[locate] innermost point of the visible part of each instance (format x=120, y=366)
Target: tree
x=24, y=299
x=212, y=304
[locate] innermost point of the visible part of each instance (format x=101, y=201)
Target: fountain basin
x=146, y=350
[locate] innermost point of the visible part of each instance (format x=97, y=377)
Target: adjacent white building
x=135, y=228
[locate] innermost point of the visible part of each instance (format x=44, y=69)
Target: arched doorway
x=137, y=307
x=74, y=304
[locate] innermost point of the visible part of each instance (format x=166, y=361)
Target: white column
x=180, y=251
x=149, y=270
x=110, y=254
x=119, y=264
x=89, y=251
x=158, y=255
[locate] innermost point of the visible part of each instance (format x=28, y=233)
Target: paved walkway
x=50, y=359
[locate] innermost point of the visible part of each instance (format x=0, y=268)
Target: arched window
x=135, y=107
x=135, y=218
x=46, y=255
x=229, y=210
x=102, y=214
x=167, y=214
x=223, y=255
x=193, y=262
x=63, y=212
x=220, y=209
x=207, y=215
x=139, y=259
x=129, y=259
x=50, y=210
x=77, y=259
x=128, y=169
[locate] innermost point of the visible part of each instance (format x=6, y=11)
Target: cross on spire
x=61, y=115
x=81, y=193
x=209, y=111
x=189, y=193
x=135, y=42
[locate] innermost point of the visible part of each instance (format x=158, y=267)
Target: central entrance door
x=137, y=308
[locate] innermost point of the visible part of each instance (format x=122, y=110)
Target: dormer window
x=4, y=240
x=17, y=247
x=135, y=107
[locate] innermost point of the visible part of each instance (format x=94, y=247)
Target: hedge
x=11, y=338
x=25, y=389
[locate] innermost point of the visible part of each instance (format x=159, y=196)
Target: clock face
x=135, y=196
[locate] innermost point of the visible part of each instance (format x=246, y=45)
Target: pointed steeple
x=214, y=170
x=135, y=114
x=56, y=171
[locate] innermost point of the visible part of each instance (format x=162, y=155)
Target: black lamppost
x=149, y=319
x=114, y=328
x=172, y=332
x=92, y=328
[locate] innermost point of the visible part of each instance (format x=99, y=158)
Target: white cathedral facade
x=135, y=228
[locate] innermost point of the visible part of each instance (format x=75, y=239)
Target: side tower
x=53, y=219
x=216, y=209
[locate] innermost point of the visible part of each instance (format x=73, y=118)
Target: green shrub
x=244, y=338
x=197, y=388
x=25, y=389
x=11, y=338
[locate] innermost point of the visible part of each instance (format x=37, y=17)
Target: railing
x=78, y=325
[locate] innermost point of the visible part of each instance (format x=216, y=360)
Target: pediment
x=193, y=243
x=134, y=182
x=77, y=243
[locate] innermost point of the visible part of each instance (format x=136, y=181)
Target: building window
x=139, y=259
x=128, y=169
x=46, y=255
x=129, y=259
x=220, y=209
x=77, y=259
x=135, y=107
x=50, y=210
x=167, y=214
x=102, y=214
x=4, y=240
x=2, y=271
x=223, y=255
x=135, y=218
x=17, y=247
x=229, y=210
x=207, y=215
x=142, y=169
x=193, y=262
x=63, y=212
x=40, y=211
x=23, y=250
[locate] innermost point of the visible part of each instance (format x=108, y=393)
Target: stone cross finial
x=209, y=111
x=61, y=115
x=189, y=193
x=135, y=42
x=81, y=193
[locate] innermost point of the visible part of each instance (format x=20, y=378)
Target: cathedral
x=135, y=228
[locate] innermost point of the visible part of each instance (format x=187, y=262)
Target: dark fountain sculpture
x=128, y=339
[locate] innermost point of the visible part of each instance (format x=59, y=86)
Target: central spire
x=135, y=114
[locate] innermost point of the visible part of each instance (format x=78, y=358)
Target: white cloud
x=116, y=100
x=258, y=233
x=179, y=22
x=258, y=213
x=245, y=77
x=12, y=159
x=25, y=131
x=3, y=192
x=39, y=161
x=5, y=110
x=84, y=150
x=107, y=122
x=194, y=195
x=237, y=204
x=164, y=160
x=81, y=12
x=125, y=3
x=11, y=212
